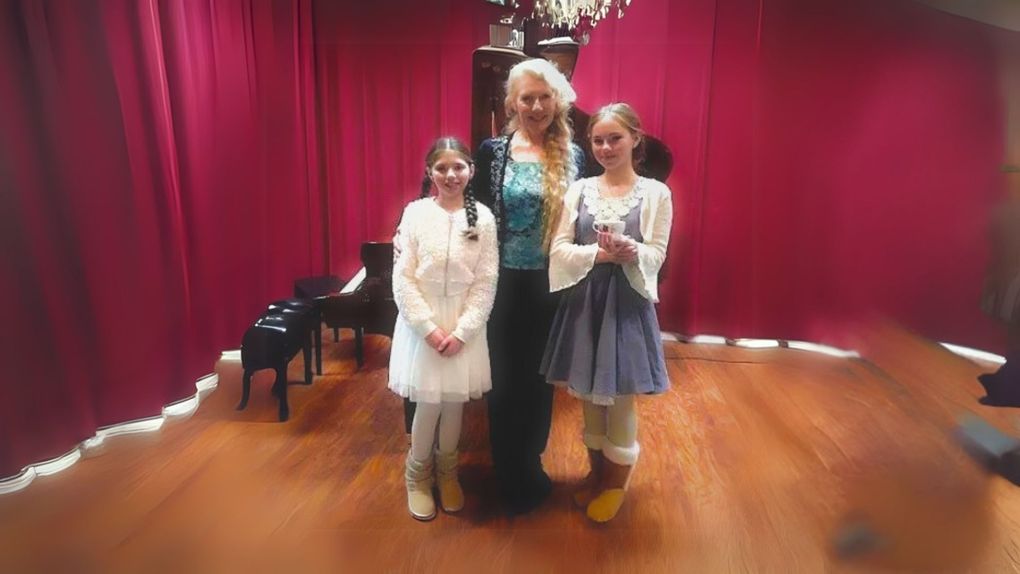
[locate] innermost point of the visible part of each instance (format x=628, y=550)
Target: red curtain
x=833, y=160
x=393, y=76
x=242, y=99
x=159, y=174
x=168, y=167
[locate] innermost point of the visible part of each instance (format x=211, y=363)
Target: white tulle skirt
x=420, y=373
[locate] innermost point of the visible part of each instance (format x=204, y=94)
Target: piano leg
x=336, y=335
x=245, y=390
x=359, y=348
x=318, y=348
x=408, y=415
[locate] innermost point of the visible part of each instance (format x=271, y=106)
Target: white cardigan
x=436, y=260
x=569, y=263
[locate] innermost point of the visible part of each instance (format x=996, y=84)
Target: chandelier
x=580, y=16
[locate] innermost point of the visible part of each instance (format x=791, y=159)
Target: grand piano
x=364, y=304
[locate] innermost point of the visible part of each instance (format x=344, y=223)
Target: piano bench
x=309, y=311
x=271, y=343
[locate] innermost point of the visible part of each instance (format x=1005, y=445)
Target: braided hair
x=426, y=185
x=557, y=168
x=470, y=206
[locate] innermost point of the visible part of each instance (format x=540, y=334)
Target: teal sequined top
x=522, y=196
x=519, y=211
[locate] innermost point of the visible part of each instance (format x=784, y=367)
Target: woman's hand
x=450, y=346
x=436, y=338
x=396, y=246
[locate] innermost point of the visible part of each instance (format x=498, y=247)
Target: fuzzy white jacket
x=569, y=263
x=437, y=260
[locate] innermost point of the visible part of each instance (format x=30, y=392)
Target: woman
x=523, y=176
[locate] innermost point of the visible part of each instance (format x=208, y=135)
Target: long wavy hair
x=558, y=169
x=470, y=206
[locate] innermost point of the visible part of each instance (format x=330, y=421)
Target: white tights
x=427, y=416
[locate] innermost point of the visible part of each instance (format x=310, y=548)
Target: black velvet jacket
x=490, y=165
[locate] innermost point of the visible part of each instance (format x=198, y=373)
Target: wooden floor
x=755, y=461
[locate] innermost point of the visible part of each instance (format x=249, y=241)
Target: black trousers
x=520, y=403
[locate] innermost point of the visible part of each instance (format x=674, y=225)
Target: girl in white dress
x=444, y=282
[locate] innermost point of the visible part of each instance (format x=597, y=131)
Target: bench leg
x=280, y=390
x=306, y=352
x=245, y=390
x=336, y=335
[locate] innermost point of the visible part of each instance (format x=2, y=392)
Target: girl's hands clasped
x=445, y=344
x=435, y=338
x=617, y=249
x=450, y=346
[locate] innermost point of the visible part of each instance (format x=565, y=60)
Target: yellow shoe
x=615, y=479
x=606, y=505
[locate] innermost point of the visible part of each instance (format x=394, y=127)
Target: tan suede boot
x=418, y=475
x=591, y=485
x=451, y=495
x=616, y=478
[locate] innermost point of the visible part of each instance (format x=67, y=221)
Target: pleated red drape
x=833, y=160
x=160, y=186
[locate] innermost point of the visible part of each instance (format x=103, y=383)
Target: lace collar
x=611, y=208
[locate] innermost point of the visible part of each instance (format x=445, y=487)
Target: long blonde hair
x=558, y=167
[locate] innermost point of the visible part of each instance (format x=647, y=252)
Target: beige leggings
x=612, y=429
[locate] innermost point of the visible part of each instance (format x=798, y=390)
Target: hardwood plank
x=753, y=462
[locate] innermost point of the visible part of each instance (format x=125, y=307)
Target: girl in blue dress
x=604, y=345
